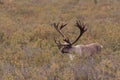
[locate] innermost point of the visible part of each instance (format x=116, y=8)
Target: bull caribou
x=69, y=47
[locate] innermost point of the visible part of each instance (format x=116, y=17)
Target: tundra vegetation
x=28, y=50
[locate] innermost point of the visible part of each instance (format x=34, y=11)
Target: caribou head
x=68, y=46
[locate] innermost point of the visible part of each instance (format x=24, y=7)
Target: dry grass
x=27, y=49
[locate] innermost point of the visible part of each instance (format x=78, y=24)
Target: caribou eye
x=62, y=52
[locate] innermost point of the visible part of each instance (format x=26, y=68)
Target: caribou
x=69, y=47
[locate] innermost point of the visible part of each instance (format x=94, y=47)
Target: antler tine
x=66, y=39
x=58, y=28
x=55, y=40
x=81, y=26
x=58, y=43
x=62, y=26
x=56, y=25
